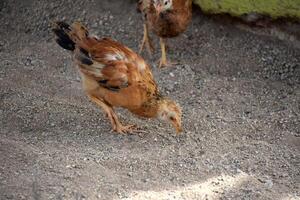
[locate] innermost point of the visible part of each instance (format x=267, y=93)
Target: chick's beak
x=177, y=126
x=179, y=130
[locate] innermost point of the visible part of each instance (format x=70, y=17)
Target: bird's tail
x=69, y=35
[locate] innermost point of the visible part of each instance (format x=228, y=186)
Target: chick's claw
x=126, y=129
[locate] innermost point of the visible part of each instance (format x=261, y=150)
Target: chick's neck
x=152, y=107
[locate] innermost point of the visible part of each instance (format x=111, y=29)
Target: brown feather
x=170, y=23
x=113, y=75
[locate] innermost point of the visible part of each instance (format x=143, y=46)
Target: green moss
x=273, y=8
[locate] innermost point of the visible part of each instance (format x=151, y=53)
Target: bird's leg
x=163, y=59
x=107, y=109
x=116, y=125
x=121, y=128
x=163, y=62
x=147, y=41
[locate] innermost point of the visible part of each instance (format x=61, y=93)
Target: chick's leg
x=163, y=62
x=146, y=41
x=116, y=125
x=107, y=109
x=121, y=128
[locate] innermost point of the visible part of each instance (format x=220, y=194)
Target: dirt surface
x=239, y=91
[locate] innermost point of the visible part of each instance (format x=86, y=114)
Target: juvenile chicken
x=167, y=19
x=115, y=76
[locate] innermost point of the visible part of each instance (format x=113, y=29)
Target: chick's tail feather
x=69, y=35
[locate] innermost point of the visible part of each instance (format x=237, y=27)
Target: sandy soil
x=239, y=90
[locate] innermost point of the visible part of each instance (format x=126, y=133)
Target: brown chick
x=167, y=19
x=115, y=76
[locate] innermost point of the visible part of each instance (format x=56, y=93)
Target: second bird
x=167, y=19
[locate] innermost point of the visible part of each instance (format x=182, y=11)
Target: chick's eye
x=172, y=118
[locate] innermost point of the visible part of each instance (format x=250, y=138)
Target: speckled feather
x=172, y=22
x=114, y=73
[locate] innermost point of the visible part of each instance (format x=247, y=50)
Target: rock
x=269, y=183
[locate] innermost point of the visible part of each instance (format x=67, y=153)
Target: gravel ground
x=239, y=90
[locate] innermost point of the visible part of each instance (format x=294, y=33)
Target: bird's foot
x=125, y=129
x=164, y=63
